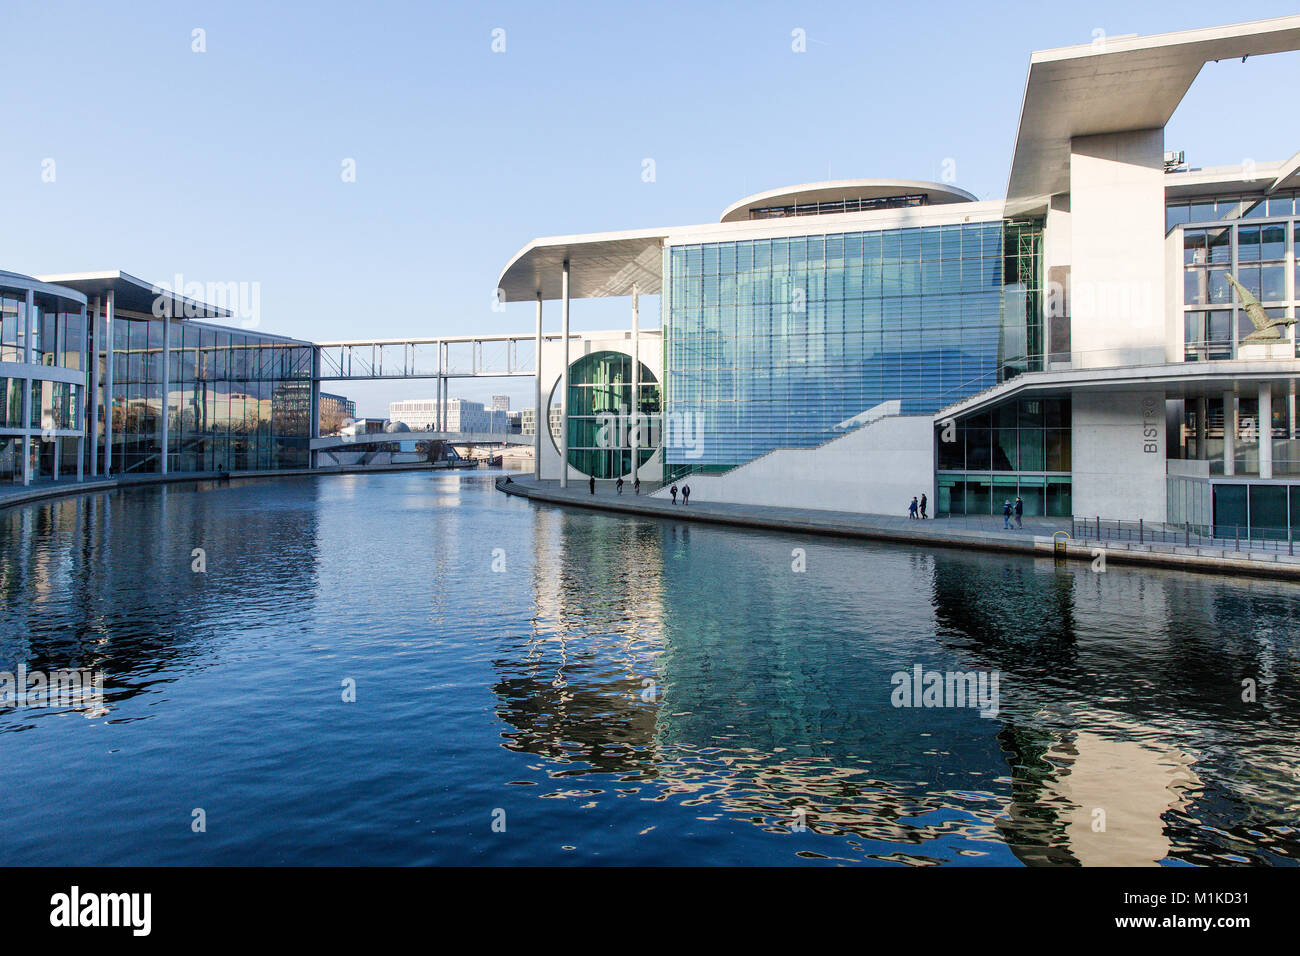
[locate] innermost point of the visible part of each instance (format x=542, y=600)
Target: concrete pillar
x=315, y=404
x=1229, y=433
x=166, y=393
x=438, y=419
x=28, y=323
x=564, y=379
x=636, y=377
x=108, y=384
x=539, y=413
x=1201, y=408
x=92, y=429
x=1265, y=429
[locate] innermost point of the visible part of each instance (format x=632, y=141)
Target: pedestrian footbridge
x=452, y=438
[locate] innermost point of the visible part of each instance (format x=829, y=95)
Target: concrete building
x=460, y=415
x=1113, y=338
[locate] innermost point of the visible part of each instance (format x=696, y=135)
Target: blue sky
x=225, y=165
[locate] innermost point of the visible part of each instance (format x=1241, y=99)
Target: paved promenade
x=980, y=532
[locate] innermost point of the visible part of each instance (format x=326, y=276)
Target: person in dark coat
x=686, y=494
x=636, y=485
x=1020, y=512
x=673, y=491
x=591, y=482
x=619, y=485
x=922, y=507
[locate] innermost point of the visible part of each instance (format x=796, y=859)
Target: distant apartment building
x=500, y=403
x=461, y=415
x=335, y=410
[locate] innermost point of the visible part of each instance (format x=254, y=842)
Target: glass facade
x=1019, y=447
x=772, y=342
x=236, y=401
x=1254, y=239
x=600, y=409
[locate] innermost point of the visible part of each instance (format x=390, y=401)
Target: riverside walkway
x=1039, y=536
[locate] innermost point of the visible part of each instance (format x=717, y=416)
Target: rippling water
x=616, y=690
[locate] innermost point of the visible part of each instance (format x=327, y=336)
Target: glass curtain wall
x=236, y=401
x=1019, y=447
x=772, y=342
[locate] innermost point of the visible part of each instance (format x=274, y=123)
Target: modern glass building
x=1114, y=338
x=96, y=382
x=43, y=357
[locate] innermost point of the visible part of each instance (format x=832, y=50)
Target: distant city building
x=335, y=411
x=500, y=403
x=461, y=415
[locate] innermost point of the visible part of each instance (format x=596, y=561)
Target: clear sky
x=226, y=165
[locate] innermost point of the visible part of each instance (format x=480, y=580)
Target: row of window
x=58, y=338
x=56, y=406
x=986, y=494
x=1230, y=208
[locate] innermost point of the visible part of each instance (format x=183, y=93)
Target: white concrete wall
x=1118, y=454
x=876, y=469
x=1117, y=244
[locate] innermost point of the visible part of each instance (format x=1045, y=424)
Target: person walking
x=636, y=485
x=686, y=494
x=922, y=507
x=591, y=482
x=1020, y=512
x=911, y=510
x=673, y=491
x=1006, y=515
x=619, y=485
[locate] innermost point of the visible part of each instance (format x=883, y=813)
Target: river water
x=415, y=668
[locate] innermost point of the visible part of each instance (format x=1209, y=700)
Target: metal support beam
x=636, y=379
x=564, y=386
x=1264, y=427
x=92, y=427
x=540, y=416
x=1229, y=433
x=108, y=384
x=29, y=322
x=166, y=390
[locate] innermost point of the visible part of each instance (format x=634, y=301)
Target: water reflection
x=632, y=690
x=1121, y=736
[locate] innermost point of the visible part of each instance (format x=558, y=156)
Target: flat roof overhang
x=1188, y=379
x=600, y=264
x=135, y=295
x=839, y=189
x=1119, y=84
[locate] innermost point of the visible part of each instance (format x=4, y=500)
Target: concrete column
x=315, y=404
x=27, y=441
x=1265, y=429
x=1229, y=433
x=92, y=429
x=564, y=379
x=437, y=393
x=85, y=366
x=539, y=413
x=108, y=384
x=1201, y=407
x=166, y=392
x=636, y=377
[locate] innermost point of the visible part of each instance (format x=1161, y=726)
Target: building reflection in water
x=98, y=582
x=1119, y=693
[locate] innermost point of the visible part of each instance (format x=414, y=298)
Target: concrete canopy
x=600, y=264
x=135, y=295
x=1118, y=84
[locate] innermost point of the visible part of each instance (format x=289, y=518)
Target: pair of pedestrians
x=1010, y=510
x=686, y=493
x=917, y=509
